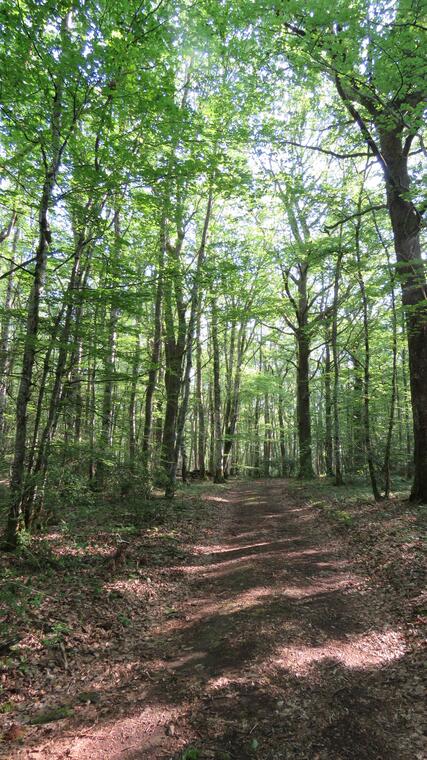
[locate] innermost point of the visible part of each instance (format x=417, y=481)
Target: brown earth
x=270, y=643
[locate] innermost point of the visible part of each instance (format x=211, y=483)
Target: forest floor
x=255, y=620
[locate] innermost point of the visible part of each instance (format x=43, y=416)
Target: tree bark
x=218, y=472
x=33, y=319
x=366, y=365
x=303, y=405
x=155, y=352
x=132, y=402
x=194, y=309
x=267, y=436
x=406, y=224
x=334, y=343
x=282, y=438
x=328, y=411
x=106, y=433
x=201, y=431
x=5, y=356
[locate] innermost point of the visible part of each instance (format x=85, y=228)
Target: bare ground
x=261, y=636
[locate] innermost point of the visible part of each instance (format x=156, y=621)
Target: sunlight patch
x=361, y=652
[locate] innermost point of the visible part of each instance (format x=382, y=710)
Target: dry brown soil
x=272, y=644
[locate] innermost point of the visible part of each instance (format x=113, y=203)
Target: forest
x=211, y=273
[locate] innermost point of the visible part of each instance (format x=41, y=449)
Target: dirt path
x=273, y=648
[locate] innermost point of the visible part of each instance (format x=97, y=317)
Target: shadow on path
x=278, y=650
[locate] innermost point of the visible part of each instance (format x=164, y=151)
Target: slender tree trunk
x=256, y=458
x=393, y=394
x=174, y=359
x=199, y=405
x=78, y=392
x=282, y=438
x=106, y=434
x=336, y=380
x=57, y=147
x=194, y=308
x=212, y=431
x=218, y=472
x=155, y=353
x=328, y=411
x=32, y=327
x=409, y=468
x=132, y=402
x=366, y=369
x=36, y=473
x=267, y=436
x=5, y=355
x=303, y=378
x=231, y=426
x=303, y=405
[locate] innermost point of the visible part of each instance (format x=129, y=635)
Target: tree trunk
x=32, y=329
x=5, y=356
x=37, y=472
x=132, y=402
x=406, y=224
x=218, y=472
x=33, y=309
x=283, y=471
x=155, y=352
x=267, y=436
x=393, y=394
x=106, y=434
x=199, y=406
x=256, y=458
x=334, y=343
x=231, y=426
x=303, y=405
x=366, y=369
x=328, y=411
x=192, y=319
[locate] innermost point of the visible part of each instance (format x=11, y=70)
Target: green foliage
x=124, y=620
x=51, y=714
x=138, y=117
x=58, y=631
x=191, y=754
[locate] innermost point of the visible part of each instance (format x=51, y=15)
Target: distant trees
x=198, y=265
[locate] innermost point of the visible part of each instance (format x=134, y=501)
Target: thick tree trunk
x=406, y=224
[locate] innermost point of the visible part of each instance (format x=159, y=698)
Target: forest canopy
x=211, y=236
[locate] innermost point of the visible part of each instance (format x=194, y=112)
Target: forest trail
x=275, y=648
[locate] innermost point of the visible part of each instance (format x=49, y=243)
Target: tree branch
x=356, y=215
